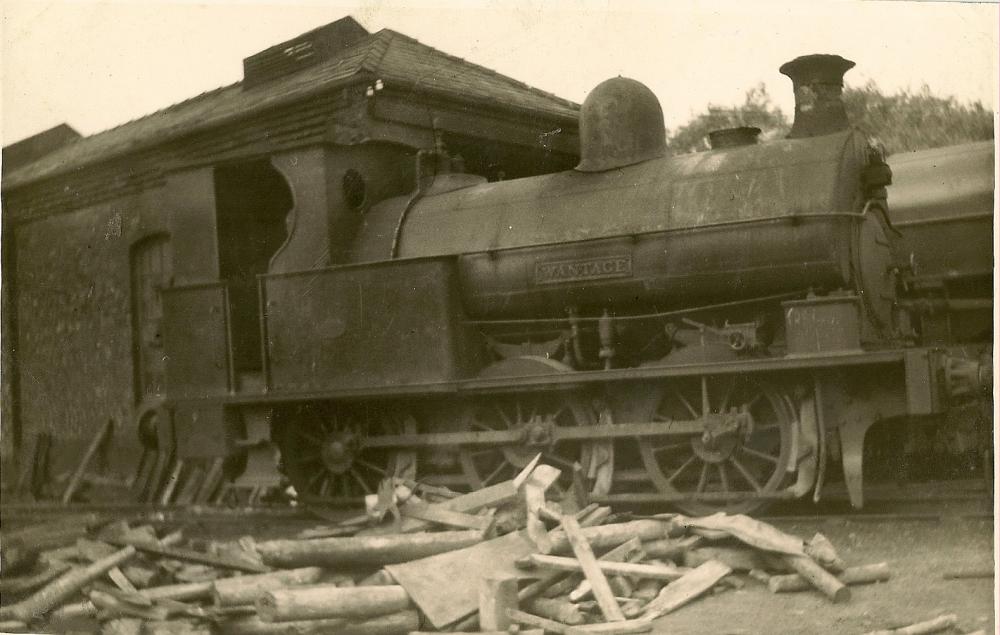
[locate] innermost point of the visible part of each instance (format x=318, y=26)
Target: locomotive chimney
x=733, y=137
x=819, y=84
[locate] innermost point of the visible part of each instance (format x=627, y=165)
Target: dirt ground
x=918, y=552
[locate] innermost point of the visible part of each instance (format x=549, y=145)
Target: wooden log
x=187, y=591
x=558, y=610
x=588, y=563
x=935, y=625
x=246, y=589
x=73, y=611
x=111, y=606
x=467, y=503
x=27, y=583
x=69, y=583
x=189, y=555
x=628, y=627
x=655, y=572
x=608, y=536
x=399, y=623
x=48, y=537
x=88, y=455
x=13, y=626
x=324, y=602
x=363, y=550
x=685, y=589
x=527, y=619
x=496, y=595
x=819, y=577
x=865, y=574
x=122, y=626
x=820, y=549
x=736, y=558
x=441, y=516
x=211, y=482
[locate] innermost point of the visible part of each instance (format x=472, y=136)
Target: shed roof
x=396, y=59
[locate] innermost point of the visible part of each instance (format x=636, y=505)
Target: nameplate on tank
x=586, y=269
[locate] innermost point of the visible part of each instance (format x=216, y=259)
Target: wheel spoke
x=557, y=413
x=760, y=455
x=371, y=466
x=703, y=478
x=361, y=481
x=686, y=403
x=324, y=487
x=727, y=396
x=517, y=411
x=503, y=415
x=683, y=466
x=746, y=474
x=722, y=476
x=555, y=458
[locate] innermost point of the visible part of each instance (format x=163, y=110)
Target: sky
x=95, y=65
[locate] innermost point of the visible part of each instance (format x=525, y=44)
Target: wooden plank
x=466, y=503
x=445, y=587
x=645, y=571
x=442, y=516
x=588, y=563
x=688, y=587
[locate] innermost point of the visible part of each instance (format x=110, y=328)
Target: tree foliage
x=756, y=110
x=903, y=121
x=907, y=121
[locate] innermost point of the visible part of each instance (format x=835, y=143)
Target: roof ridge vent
x=302, y=51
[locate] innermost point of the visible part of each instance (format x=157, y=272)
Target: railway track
x=912, y=501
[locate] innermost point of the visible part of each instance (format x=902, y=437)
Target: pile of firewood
x=504, y=558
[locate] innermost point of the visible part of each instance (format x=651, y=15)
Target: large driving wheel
x=738, y=462
x=533, y=415
x=323, y=455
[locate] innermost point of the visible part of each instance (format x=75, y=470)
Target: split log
x=866, y=574
x=31, y=582
x=558, y=610
x=496, y=595
x=648, y=571
x=73, y=611
x=323, y=602
x=588, y=563
x=189, y=555
x=670, y=549
x=55, y=593
x=753, y=532
x=935, y=625
x=608, y=536
x=111, y=606
x=819, y=577
x=246, y=589
x=399, y=623
x=441, y=516
x=467, y=503
x=363, y=550
x=685, y=589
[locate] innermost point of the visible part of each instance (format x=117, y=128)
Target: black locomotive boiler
x=708, y=330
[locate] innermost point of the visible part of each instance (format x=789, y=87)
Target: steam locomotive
x=707, y=330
